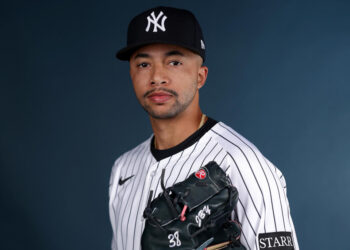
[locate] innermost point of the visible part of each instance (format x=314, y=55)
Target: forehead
x=153, y=50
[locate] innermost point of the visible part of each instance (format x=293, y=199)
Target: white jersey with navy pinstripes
x=262, y=209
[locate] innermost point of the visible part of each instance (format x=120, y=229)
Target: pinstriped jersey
x=262, y=208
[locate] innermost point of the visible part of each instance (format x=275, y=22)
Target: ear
x=202, y=76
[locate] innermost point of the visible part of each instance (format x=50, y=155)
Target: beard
x=176, y=108
x=173, y=111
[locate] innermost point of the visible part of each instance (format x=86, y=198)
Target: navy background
x=278, y=74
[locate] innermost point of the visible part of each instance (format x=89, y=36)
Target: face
x=166, y=79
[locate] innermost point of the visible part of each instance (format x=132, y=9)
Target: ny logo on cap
x=154, y=20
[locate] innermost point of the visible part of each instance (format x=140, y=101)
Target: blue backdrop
x=278, y=74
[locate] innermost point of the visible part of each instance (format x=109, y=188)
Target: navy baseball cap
x=165, y=25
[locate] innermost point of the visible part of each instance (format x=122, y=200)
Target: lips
x=159, y=97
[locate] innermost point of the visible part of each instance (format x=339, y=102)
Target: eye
x=143, y=65
x=175, y=63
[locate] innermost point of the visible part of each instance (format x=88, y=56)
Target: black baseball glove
x=194, y=214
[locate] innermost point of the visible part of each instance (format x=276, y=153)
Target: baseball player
x=166, y=50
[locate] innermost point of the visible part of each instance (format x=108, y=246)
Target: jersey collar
x=162, y=154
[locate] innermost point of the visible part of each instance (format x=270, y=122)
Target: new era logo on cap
x=152, y=19
x=202, y=44
x=164, y=25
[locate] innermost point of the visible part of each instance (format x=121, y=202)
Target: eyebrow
x=174, y=53
x=170, y=53
x=141, y=55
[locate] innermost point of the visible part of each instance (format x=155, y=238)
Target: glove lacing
x=171, y=203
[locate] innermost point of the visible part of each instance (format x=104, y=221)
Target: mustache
x=160, y=89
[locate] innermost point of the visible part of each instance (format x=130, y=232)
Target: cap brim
x=125, y=53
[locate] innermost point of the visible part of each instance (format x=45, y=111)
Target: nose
x=159, y=75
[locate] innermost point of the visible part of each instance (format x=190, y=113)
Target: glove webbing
x=148, y=211
x=167, y=198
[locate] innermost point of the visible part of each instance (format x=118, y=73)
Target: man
x=166, y=50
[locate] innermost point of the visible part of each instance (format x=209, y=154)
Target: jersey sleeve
x=283, y=184
x=112, y=193
x=263, y=208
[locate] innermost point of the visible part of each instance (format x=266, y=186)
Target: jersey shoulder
x=129, y=155
x=231, y=140
x=241, y=150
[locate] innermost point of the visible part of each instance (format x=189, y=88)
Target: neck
x=171, y=132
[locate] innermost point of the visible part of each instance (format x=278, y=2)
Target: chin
x=161, y=114
x=164, y=112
